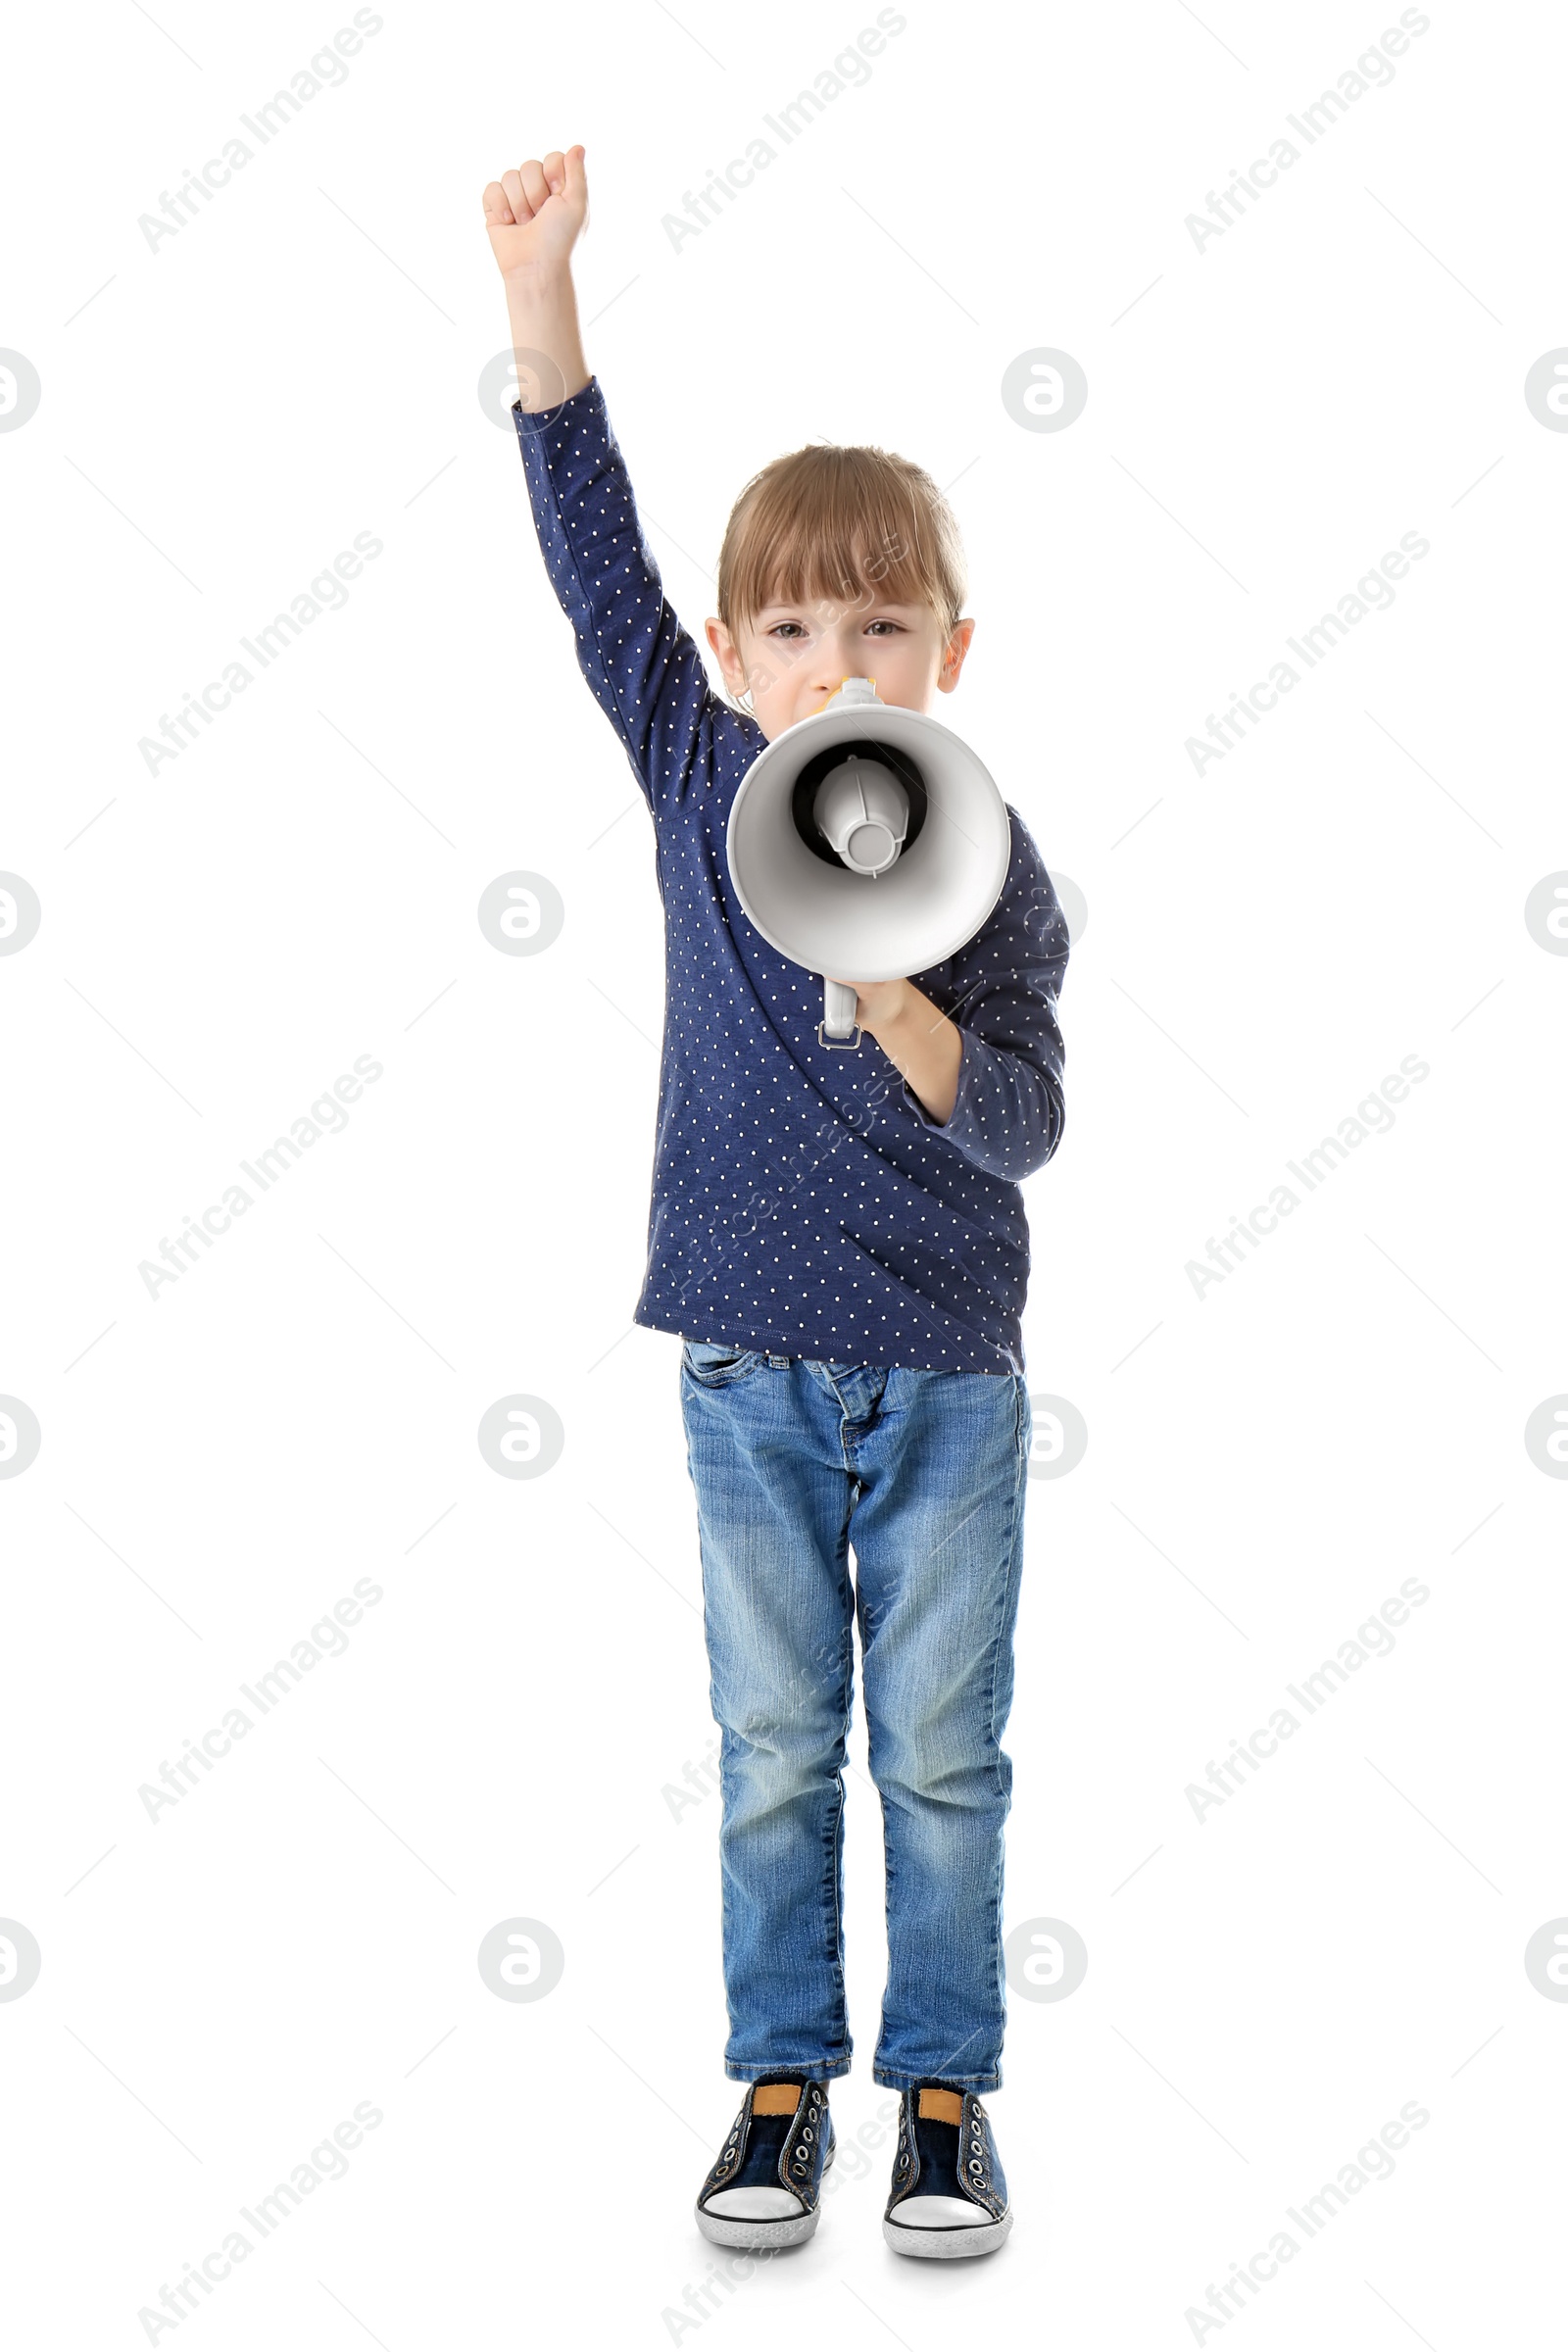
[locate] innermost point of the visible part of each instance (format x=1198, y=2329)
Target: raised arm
x=645, y=670
x=535, y=215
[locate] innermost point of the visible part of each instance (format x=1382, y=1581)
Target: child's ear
x=729, y=660
x=952, y=654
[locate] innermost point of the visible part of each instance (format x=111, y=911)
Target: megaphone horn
x=867, y=839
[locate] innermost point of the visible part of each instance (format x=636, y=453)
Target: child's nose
x=834, y=666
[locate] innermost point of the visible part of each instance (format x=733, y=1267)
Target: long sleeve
x=802, y=1198
x=1002, y=993
x=645, y=670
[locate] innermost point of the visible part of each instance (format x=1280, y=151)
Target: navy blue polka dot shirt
x=804, y=1200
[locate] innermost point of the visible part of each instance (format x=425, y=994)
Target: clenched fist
x=536, y=214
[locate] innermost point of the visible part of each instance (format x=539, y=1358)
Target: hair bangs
x=841, y=526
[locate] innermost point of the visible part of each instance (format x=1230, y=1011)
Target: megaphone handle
x=837, y=1025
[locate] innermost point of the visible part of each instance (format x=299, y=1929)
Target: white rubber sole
x=754, y=2237
x=948, y=2245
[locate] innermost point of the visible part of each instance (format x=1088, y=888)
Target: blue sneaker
x=763, y=2190
x=950, y=2193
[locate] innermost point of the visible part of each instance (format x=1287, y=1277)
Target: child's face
x=793, y=656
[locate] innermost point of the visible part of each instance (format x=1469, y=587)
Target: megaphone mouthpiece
x=862, y=811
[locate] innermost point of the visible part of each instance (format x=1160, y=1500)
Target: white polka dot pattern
x=803, y=1201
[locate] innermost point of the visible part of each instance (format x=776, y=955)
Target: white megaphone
x=866, y=839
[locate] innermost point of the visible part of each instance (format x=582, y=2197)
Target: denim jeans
x=794, y=1461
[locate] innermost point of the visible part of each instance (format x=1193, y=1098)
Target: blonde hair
x=843, y=525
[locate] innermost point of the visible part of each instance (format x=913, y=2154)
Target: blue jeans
x=923, y=1472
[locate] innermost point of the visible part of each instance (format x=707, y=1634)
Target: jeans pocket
x=716, y=1366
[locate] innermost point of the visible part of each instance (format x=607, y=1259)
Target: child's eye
x=780, y=625
x=895, y=625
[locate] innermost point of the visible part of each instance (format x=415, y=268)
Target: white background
x=299, y=364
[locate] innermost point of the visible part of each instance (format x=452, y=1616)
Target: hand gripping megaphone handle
x=837, y=1025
